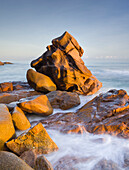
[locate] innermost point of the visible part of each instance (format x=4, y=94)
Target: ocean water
x=113, y=74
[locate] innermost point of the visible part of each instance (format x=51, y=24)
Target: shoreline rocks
x=107, y=113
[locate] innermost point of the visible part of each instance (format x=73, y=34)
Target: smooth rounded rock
x=20, y=120
x=38, y=105
x=40, y=82
x=7, y=130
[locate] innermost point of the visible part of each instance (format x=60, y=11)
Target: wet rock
x=9, y=161
x=19, y=85
x=42, y=164
x=13, y=96
x=20, y=120
x=29, y=157
x=38, y=105
x=1, y=63
x=126, y=158
x=63, y=64
x=40, y=82
x=63, y=100
x=70, y=162
x=107, y=113
x=7, y=86
x=106, y=165
x=7, y=130
x=36, y=139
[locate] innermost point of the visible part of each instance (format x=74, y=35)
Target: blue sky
x=100, y=26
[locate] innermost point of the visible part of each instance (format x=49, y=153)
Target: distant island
x=3, y=63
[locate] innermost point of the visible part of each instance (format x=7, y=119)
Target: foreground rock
x=9, y=161
x=63, y=100
x=36, y=139
x=107, y=113
x=38, y=105
x=40, y=82
x=63, y=64
x=20, y=120
x=7, y=130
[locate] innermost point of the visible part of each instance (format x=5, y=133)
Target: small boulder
x=20, y=120
x=42, y=164
x=40, y=82
x=38, y=105
x=63, y=100
x=36, y=139
x=7, y=130
x=7, y=86
x=9, y=161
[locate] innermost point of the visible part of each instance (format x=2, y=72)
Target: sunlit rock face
x=107, y=113
x=63, y=64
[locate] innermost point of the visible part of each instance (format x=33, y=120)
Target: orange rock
x=63, y=64
x=40, y=82
x=7, y=130
x=20, y=120
x=7, y=86
x=38, y=105
x=36, y=139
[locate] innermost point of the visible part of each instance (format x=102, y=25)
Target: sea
x=114, y=74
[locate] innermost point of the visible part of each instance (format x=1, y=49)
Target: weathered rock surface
x=38, y=105
x=107, y=113
x=63, y=64
x=106, y=165
x=36, y=139
x=29, y=157
x=7, y=130
x=9, y=161
x=42, y=164
x=20, y=120
x=7, y=86
x=63, y=100
x=40, y=82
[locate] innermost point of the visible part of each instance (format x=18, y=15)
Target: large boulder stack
x=63, y=64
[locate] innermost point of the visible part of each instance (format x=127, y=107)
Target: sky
x=100, y=26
